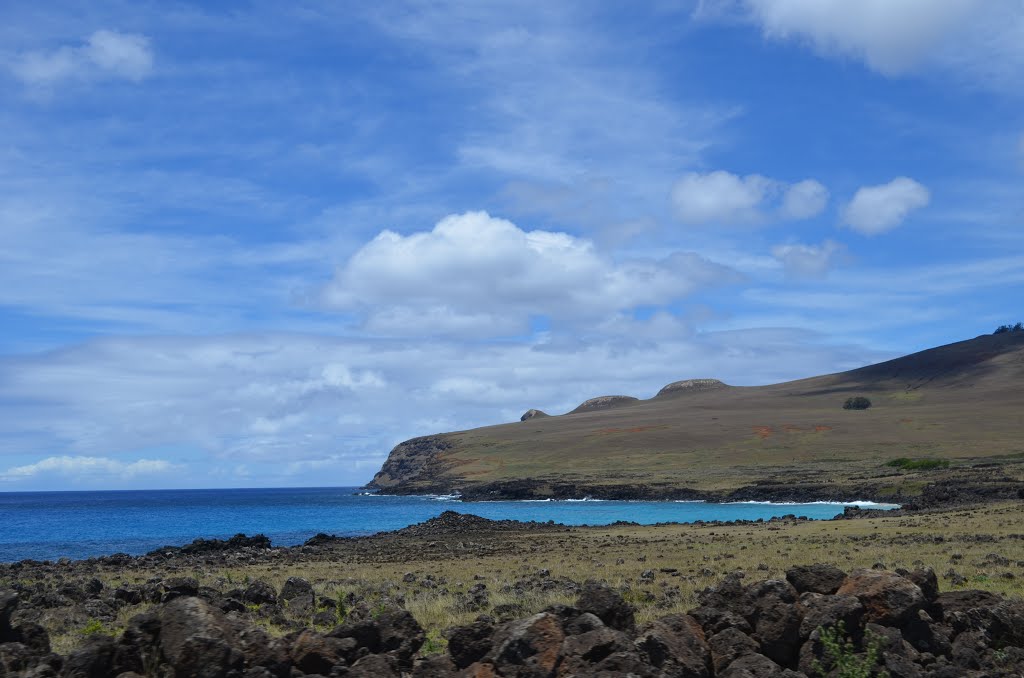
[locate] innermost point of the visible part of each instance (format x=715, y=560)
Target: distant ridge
x=701, y=438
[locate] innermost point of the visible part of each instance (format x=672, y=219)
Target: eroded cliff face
x=417, y=465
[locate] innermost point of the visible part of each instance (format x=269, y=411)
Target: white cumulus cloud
x=724, y=198
x=105, y=53
x=89, y=467
x=891, y=36
x=473, y=273
x=877, y=209
x=720, y=197
x=804, y=199
x=979, y=42
x=808, y=261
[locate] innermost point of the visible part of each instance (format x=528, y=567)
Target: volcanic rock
x=533, y=643
x=887, y=597
x=606, y=605
x=819, y=578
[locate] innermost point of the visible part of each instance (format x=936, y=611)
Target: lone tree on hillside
x=1003, y=329
x=857, y=403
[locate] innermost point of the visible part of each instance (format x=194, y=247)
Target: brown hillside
x=958, y=402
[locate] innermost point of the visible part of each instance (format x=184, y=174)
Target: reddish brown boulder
x=530, y=646
x=677, y=645
x=888, y=598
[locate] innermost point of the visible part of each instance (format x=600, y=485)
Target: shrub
x=1003, y=329
x=94, y=627
x=842, y=656
x=435, y=643
x=917, y=464
x=340, y=610
x=857, y=403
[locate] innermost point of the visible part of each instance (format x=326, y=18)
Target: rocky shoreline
x=817, y=621
x=158, y=609
x=259, y=548
x=980, y=484
x=250, y=550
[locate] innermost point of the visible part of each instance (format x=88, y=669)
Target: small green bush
x=94, y=627
x=435, y=643
x=340, y=609
x=843, y=659
x=918, y=464
x=857, y=403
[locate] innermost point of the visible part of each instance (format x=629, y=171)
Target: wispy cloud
x=268, y=401
x=89, y=469
x=560, y=104
x=808, y=261
x=104, y=54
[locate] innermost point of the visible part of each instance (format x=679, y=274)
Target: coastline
x=983, y=481
x=393, y=516
x=447, y=571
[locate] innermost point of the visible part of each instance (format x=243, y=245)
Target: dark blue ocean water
x=51, y=525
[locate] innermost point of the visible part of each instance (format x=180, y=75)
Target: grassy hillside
x=963, y=402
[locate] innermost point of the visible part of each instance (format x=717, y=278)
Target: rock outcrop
x=414, y=465
x=604, y=403
x=882, y=623
x=533, y=414
x=690, y=386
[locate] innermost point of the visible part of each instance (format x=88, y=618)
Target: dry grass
x=960, y=402
x=984, y=547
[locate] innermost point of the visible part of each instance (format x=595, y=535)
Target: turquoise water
x=51, y=525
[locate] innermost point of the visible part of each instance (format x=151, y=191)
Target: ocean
x=52, y=525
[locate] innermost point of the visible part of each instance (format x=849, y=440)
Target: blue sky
x=258, y=244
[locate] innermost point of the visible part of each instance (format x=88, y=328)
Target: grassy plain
x=659, y=569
